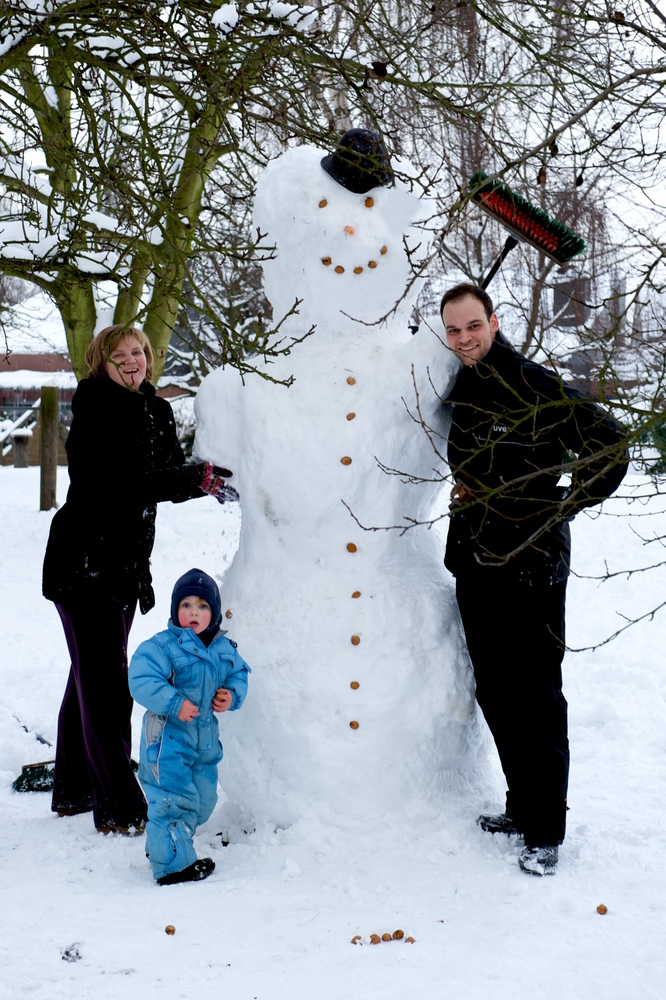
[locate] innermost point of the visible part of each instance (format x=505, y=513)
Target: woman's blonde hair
x=99, y=349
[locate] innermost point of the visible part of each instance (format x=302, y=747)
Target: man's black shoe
x=539, y=860
x=193, y=873
x=498, y=824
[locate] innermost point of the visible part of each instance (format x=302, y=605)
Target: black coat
x=515, y=425
x=124, y=457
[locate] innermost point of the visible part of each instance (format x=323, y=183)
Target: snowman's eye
x=323, y=203
x=369, y=202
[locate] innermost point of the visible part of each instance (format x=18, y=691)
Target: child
x=183, y=676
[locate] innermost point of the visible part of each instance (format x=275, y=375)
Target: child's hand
x=188, y=711
x=222, y=700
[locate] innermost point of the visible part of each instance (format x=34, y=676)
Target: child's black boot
x=193, y=873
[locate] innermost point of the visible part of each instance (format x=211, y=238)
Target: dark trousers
x=93, y=768
x=515, y=638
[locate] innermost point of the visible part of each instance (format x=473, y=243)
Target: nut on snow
x=386, y=937
x=169, y=929
x=410, y=940
x=357, y=939
x=602, y=908
x=398, y=935
x=375, y=939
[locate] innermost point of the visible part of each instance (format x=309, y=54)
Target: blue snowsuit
x=178, y=760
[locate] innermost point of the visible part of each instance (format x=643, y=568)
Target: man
x=516, y=428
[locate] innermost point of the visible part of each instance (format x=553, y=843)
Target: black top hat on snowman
x=359, y=162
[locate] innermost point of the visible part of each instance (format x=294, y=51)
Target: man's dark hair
x=462, y=291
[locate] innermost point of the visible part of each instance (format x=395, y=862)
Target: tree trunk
x=128, y=303
x=76, y=302
x=172, y=255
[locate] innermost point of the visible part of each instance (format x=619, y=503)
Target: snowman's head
x=341, y=251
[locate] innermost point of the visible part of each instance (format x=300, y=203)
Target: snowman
x=361, y=699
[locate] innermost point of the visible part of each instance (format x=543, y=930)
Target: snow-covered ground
x=276, y=919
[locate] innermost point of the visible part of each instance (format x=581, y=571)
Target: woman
x=124, y=457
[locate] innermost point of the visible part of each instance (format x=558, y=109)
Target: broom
x=525, y=222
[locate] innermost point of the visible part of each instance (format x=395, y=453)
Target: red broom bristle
x=527, y=221
x=519, y=219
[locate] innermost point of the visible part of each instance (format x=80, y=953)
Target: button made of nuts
x=376, y=939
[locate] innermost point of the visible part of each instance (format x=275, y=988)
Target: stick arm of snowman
x=218, y=409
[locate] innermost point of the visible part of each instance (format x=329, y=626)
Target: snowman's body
x=360, y=694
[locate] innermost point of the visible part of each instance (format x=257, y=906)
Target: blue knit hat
x=196, y=583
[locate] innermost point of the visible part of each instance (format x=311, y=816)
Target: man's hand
x=222, y=700
x=460, y=494
x=188, y=712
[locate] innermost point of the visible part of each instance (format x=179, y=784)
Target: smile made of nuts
x=339, y=269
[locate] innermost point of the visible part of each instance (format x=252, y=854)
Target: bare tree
x=132, y=137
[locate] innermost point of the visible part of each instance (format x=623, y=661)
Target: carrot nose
x=350, y=230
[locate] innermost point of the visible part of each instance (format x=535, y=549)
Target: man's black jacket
x=515, y=428
x=124, y=457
